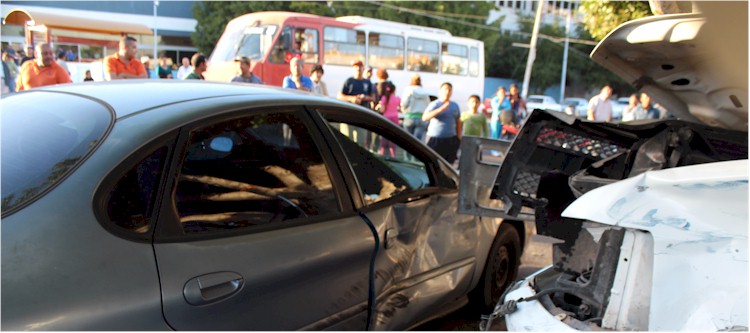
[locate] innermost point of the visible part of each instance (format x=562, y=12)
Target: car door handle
x=212, y=287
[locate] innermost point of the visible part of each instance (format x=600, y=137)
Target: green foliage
x=582, y=74
x=602, y=16
x=213, y=16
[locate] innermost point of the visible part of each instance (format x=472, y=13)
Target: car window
x=43, y=144
x=131, y=201
x=252, y=171
x=383, y=168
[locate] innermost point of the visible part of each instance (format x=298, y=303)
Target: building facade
x=88, y=31
x=554, y=12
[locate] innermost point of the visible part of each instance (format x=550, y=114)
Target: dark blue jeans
x=445, y=147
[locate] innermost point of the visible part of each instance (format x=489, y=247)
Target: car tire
x=501, y=268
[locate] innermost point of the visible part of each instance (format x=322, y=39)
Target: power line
x=425, y=13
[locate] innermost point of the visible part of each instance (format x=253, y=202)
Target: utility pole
x=532, y=49
x=565, y=60
x=155, y=61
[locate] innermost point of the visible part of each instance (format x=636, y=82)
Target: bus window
x=296, y=42
x=306, y=41
x=422, y=55
x=386, y=51
x=255, y=41
x=343, y=46
x=455, y=59
x=474, y=61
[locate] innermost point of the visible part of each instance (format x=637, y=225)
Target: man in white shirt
x=600, y=107
x=185, y=69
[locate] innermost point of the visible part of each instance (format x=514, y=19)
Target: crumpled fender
x=696, y=199
x=698, y=216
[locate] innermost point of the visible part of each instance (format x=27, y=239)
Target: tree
x=602, y=16
x=213, y=16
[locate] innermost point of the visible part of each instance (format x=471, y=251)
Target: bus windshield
x=251, y=42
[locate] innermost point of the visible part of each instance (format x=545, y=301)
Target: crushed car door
x=256, y=235
x=480, y=164
x=425, y=260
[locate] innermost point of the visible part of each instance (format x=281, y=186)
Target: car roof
x=695, y=65
x=132, y=96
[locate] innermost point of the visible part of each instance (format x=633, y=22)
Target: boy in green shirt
x=473, y=122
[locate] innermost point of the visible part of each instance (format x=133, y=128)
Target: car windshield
x=252, y=42
x=42, y=144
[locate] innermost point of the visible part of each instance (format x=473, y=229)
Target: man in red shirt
x=123, y=64
x=42, y=70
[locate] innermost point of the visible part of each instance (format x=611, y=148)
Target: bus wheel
x=501, y=269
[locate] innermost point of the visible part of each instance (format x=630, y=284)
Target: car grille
x=526, y=184
x=599, y=149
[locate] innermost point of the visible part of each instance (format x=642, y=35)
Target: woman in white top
x=316, y=75
x=413, y=104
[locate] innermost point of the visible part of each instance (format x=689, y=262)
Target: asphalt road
x=536, y=255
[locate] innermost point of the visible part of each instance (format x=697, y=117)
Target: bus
x=271, y=39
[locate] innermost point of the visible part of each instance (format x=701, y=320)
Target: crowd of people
x=639, y=107
x=438, y=123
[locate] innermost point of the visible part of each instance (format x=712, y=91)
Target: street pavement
x=536, y=255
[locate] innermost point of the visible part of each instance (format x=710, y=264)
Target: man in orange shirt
x=123, y=64
x=41, y=71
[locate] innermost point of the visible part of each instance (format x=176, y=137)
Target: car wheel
x=501, y=268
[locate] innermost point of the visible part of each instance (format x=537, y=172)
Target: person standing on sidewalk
x=498, y=103
x=123, y=64
x=444, y=129
x=413, y=103
x=185, y=69
x=9, y=59
x=316, y=75
x=600, y=107
x=42, y=70
x=199, y=67
x=246, y=74
x=473, y=122
x=295, y=80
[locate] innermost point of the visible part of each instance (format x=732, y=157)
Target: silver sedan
x=153, y=205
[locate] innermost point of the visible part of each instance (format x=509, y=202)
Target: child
x=389, y=106
x=510, y=128
x=498, y=103
x=474, y=123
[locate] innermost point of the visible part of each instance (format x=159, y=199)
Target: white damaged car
x=651, y=216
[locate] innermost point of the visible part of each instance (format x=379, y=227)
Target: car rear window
x=44, y=137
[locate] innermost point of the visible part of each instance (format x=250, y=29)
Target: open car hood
x=680, y=63
x=644, y=243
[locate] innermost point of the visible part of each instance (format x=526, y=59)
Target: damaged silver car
x=186, y=205
x=651, y=216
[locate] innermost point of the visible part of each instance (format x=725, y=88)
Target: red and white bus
x=271, y=39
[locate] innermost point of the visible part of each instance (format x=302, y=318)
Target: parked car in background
x=650, y=216
x=184, y=205
x=618, y=106
x=580, y=105
x=542, y=102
